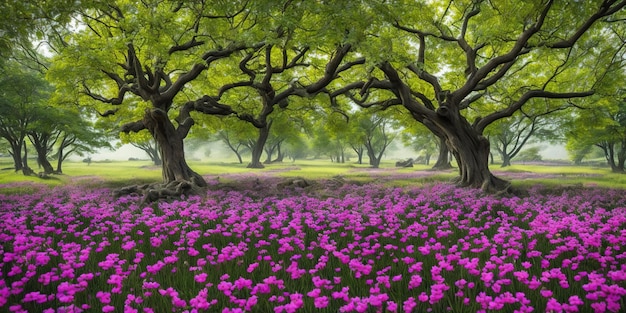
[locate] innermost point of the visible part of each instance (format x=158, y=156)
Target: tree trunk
x=268, y=154
x=443, y=160
x=60, y=157
x=359, y=153
x=506, y=159
x=621, y=157
x=16, y=153
x=26, y=170
x=257, y=150
x=427, y=158
x=235, y=150
x=172, y=150
x=471, y=152
x=609, y=154
x=155, y=155
x=279, y=154
x=42, y=151
x=375, y=162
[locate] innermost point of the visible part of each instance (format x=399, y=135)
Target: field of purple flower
x=350, y=248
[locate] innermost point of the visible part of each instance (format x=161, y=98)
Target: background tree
x=461, y=50
x=79, y=136
x=510, y=136
x=238, y=137
x=377, y=133
x=603, y=127
x=422, y=141
x=27, y=22
x=23, y=94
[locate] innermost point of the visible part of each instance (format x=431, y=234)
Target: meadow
x=356, y=240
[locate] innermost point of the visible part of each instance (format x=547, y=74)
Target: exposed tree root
x=160, y=191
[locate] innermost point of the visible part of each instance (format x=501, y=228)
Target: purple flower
x=320, y=302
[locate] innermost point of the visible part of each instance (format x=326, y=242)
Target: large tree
x=459, y=51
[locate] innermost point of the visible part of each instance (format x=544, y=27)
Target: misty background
x=219, y=151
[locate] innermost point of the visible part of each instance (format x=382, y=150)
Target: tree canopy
x=455, y=66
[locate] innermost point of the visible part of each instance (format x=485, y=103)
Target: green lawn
x=121, y=173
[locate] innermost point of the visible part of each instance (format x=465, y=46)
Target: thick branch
x=114, y=101
x=331, y=70
x=604, y=10
x=403, y=91
x=135, y=68
x=192, y=74
x=470, y=54
x=133, y=127
x=510, y=56
x=185, y=46
x=484, y=122
x=228, y=87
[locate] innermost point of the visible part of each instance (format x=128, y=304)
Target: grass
x=121, y=173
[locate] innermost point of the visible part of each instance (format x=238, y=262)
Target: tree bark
x=269, y=151
x=621, y=157
x=443, y=160
x=471, y=151
x=172, y=150
x=257, y=150
x=60, y=157
x=280, y=156
x=41, y=147
x=26, y=170
x=16, y=153
x=506, y=159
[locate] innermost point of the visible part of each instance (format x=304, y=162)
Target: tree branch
x=331, y=70
x=480, y=124
x=186, y=46
x=604, y=10
x=514, y=53
x=403, y=91
x=134, y=127
x=114, y=101
x=208, y=58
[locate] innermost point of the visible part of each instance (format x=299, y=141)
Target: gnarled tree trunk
x=172, y=150
x=471, y=151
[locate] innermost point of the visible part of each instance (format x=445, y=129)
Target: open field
x=121, y=173
x=356, y=240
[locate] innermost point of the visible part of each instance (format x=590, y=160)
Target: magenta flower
x=409, y=305
x=320, y=302
x=200, y=278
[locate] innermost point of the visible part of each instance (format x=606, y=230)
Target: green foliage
x=530, y=154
